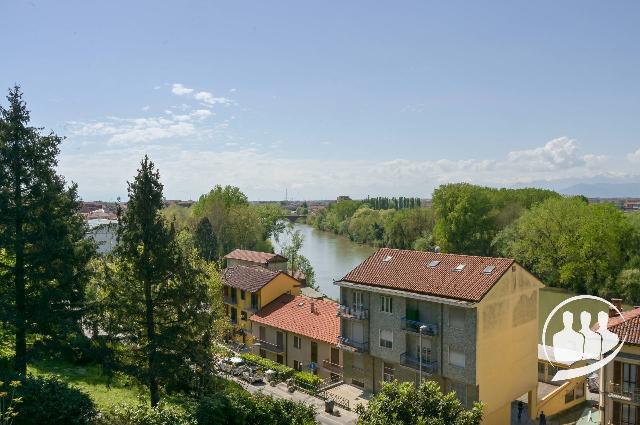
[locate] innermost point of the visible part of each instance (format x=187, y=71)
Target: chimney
x=313, y=307
x=618, y=303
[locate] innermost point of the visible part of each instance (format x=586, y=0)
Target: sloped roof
x=627, y=325
x=409, y=270
x=255, y=256
x=293, y=314
x=248, y=278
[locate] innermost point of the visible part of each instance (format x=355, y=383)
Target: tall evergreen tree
x=41, y=233
x=158, y=297
x=205, y=239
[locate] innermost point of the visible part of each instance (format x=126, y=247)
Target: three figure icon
x=570, y=346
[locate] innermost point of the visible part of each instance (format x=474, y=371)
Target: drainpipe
x=441, y=340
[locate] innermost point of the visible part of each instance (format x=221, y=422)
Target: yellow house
x=620, y=379
x=469, y=323
x=247, y=289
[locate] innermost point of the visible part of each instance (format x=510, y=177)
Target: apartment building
x=266, y=260
x=247, y=289
x=299, y=332
x=620, y=379
x=468, y=322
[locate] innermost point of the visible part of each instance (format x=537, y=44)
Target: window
x=488, y=269
x=234, y=315
x=280, y=359
x=629, y=377
x=629, y=414
x=569, y=396
x=579, y=391
x=434, y=264
x=386, y=304
x=386, y=338
x=457, y=317
x=314, y=352
x=242, y=294
x=297, y=342
x=254, y=301
x=243, y=315
x=357, y=383
x=297, y=365
x=426, y=353
x=457, y=358
x=263, y=353
x=459, y=267
x=388, y=372
x=387, y=259
x=358, y=300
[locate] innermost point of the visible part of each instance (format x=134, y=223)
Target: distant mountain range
x=603, y=190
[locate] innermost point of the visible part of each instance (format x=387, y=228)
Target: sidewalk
x=280, y=391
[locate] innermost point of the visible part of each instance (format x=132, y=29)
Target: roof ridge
x=446, y=253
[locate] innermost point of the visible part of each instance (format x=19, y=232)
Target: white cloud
x=146, y=107
x=180, y=90
x=554, y=155
x=210, y=99
x=634, y=157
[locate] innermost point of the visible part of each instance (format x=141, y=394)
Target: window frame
x=457, y=352
x=386, y=304
x=388, y=372
x=297, y=342
x=380, y=340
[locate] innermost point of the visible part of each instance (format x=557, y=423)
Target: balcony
x=332, y=367
x=349, y=344
x=230, y=300
x=415, y=325
x=624, y=392
x=269, y=346
x=414, y=363
x=354, y=312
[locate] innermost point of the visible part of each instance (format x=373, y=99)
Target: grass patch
x=90, y=380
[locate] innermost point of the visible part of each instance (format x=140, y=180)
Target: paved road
x=280, y=391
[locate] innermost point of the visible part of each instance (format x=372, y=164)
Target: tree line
x=400, y=203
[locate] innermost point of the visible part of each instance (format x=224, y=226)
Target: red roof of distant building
x=248, y=278
x=408, y=270
x=626, y=326
x=255, y=256
x=293, y=314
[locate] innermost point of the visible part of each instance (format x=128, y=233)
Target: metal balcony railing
x=354, y=312
x=270, y=346
x=624, y=392
x=415, y=325
x=414, y=363
x=352, y=345
x=332, y=367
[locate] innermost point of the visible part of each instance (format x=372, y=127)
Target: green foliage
x=383, y=203
x=42, y=236
x=49, y=400
x=571, y=244
x=142, y=414
x=9, y=401
x=308, y=379
x=296, y=261
x=242, y=408
x=156, y=297
x=205, y=240
x=282, y=372
x=403, y=403
x=626, y=286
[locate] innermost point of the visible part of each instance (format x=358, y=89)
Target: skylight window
x=433, y=264
x=488, y=269
x=387, y=259
x=459, y=267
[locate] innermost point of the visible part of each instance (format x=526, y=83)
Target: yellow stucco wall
x=507, y=343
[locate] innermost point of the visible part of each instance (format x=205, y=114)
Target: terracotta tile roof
x=250, y=279
x=255, y=256
x=409, y=271
x=629, y=327
x=293, y=314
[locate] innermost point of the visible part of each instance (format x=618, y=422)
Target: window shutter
x=617, y=372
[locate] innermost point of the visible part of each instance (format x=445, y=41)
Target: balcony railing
x=624, y=392
x=230, y=300
x=269, y=346
x=354, y=312
x=415, y=325
x=414, y=363
x=332, y=367
x=352, y=345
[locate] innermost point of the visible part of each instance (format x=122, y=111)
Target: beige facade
x=297, y=351
x=620, y=388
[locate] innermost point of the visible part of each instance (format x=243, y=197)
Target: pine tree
x=160, y=299
x=42, y=236
x=205, y=240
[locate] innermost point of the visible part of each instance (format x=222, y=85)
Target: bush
x=242, y=408
x=307, y=380
x=51, y=401
x=282, y=372
x=142, y=414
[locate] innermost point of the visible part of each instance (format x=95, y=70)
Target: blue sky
x=324, y=98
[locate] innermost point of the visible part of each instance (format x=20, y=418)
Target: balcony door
x=280, y=339
x=335, y=356
x=263, y=333
x=358, y=300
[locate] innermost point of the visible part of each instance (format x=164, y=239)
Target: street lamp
x=423, y=327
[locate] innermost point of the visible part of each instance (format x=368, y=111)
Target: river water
x=332, y=256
